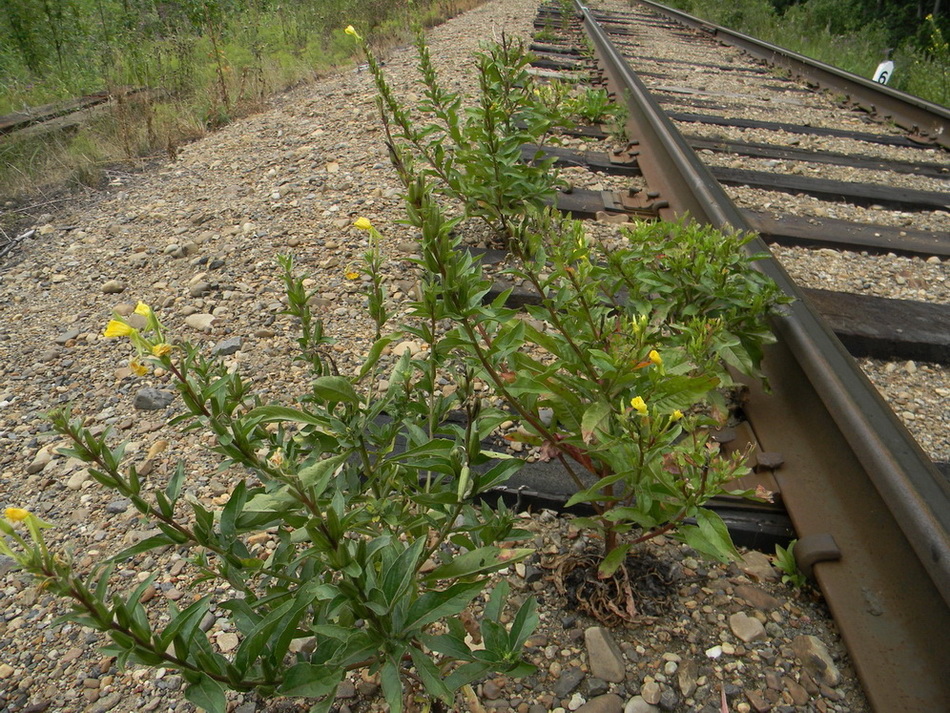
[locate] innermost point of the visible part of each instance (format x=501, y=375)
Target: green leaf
x=613, y=560
x=255, y=640
x=496, y=602
x=186, y=623
x=392, y=686
x=467, y=673
x=173, y=489
x=717, y=534
x=372, y=358
x=145, y=545
x=311, y=681
x=447, y=645
x=479, y=561
x=317, y=475
x=430, y=675
x=207, y=694
x=335, y=389
x=436, y=605
x=524, y=624
x=401, y=573
x=497, y=474
x=594, y=417
x=273, y=414
x=232, y=510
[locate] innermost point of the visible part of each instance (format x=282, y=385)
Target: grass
x=197, y=82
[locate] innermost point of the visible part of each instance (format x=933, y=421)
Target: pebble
x=686, y=678
x=757, y=597
x=227, y=641
x=149, y=399
x=113, y=287
x=650, y=692
x=42, y=459
x=200, y=321
x=603, y=655
x=758, y=566
x=610, y=703
x=568, y=681
x=815, y=658
x=229, y=346
x=638, y=705
x=746, y=628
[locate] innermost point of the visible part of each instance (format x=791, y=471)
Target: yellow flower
x=16, y=514
x=143, y=309
x=677, y=415
x=639, y=405
x=363, y=223
x=655, y=357
x=138, y=367
x=161, y=350
x=350, y=30
x=352, y=274
x=117, y=328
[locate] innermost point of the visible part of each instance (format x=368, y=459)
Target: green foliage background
x=203, y=61
x=53, y=49
x=852, y=34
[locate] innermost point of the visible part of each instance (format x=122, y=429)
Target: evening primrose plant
x=366, y=498
x=608, y=368
x=470, y=148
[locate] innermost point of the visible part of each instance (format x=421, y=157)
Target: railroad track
x=870, y=508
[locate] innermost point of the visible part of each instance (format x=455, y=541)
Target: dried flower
x=161, y=350
x=138, y=367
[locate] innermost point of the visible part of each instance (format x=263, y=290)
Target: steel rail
x=852, y=471
x=926, y=121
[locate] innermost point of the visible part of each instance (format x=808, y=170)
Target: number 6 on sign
x=883, y=72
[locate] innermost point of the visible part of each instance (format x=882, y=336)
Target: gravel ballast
x=196, y=238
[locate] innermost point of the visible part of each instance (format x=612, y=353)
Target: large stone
x=103, y=705
x=113, y=287
x=758, y=566
x=77, y=479
x=603, y=655
x=66, y=336
x=815, y=658
x=42, y=458
x=686, y=677
x=651, y=692
x=638, y=705
x=568, y=681
x=745, y=627
x=610, y=703
x=758, y=598
x=227, y=346
x=798, y=693
x=149, y=399
x=200, y=321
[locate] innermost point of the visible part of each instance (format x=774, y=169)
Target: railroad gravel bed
x=197, y=238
